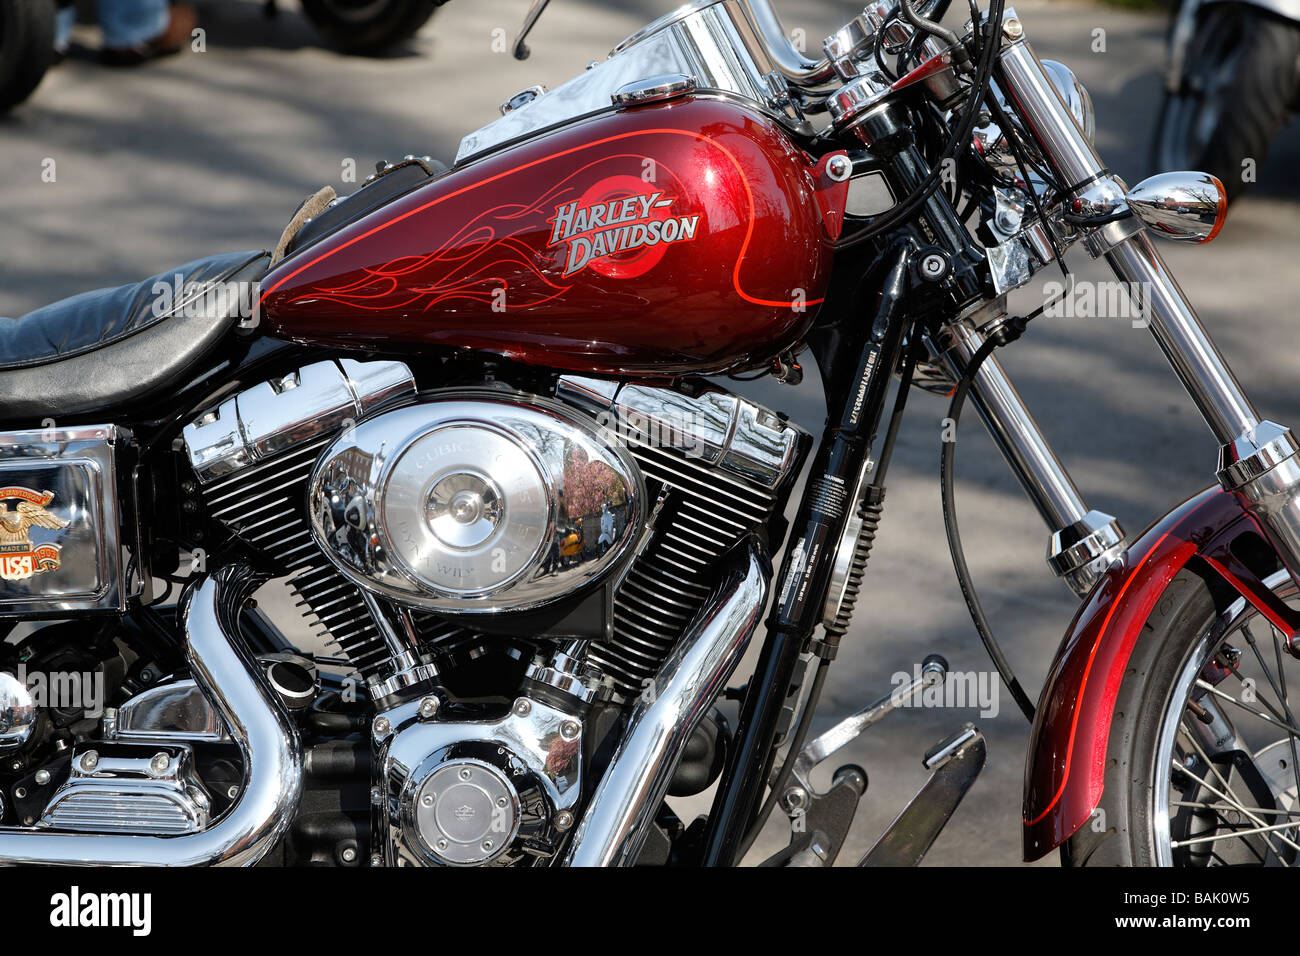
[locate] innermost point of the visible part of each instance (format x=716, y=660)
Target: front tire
x=1236, y=94
x=26, y=48
x=1170, y=798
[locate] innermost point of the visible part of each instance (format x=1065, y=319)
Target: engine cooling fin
x=264, y=505
x=705, y=512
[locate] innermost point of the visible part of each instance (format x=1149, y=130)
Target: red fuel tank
x=685, y=237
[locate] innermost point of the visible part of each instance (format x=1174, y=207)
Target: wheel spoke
x=1257, y=831
x=1229, y=796
x=1205, y=685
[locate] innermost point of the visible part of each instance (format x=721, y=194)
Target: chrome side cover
x=148, y=790
x=60, y=547
x=477, y=502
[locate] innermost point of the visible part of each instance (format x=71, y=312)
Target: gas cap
x=654, y=89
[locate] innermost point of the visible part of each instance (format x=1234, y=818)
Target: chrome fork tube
x=1257, y=459
x=1084, y=542
x=256, y=721
x=614, y=828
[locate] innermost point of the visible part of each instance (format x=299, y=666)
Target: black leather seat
x=101, y=349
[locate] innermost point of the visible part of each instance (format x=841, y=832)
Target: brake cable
x=1007, y=332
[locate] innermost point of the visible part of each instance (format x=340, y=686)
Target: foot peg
x=956, y=763
x=819, y=822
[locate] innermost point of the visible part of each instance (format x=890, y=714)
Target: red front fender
x=1064, y=776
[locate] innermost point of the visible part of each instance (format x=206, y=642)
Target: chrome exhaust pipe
x=619, y=813
x=257, y=722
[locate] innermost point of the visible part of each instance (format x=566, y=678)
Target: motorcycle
x=367, y=27
x=1231, y=84
x=427, y=538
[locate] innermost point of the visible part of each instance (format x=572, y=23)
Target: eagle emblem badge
x=19, y=557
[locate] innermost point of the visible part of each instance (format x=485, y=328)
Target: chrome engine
x=590, y=539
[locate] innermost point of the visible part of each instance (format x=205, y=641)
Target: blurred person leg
x=136, y=31
x=64, y=21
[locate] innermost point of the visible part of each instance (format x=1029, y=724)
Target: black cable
x=928, y=26
x=960, y=138
x=787, y=768
x=1008, y=332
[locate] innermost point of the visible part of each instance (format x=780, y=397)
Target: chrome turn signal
x=1184, y=206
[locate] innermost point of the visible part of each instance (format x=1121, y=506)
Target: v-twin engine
x=531, y=599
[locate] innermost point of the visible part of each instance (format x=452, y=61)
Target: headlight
x=1074, y=95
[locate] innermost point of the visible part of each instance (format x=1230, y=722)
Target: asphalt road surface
x=213, y=151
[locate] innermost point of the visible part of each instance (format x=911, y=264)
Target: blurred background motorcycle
x=363, y=27
x=1230, y=86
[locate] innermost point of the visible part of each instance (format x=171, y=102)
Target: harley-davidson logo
x=599, y=230
x=19, y=558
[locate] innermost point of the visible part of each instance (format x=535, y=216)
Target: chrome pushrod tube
x=1258, y=459
x=614, y=827
x=1083, y=542
x=257, y=722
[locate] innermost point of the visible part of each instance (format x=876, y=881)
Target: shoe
x=181, y=21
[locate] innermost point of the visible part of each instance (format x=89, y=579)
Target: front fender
x=1065, y=773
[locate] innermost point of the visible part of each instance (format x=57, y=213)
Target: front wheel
x=1236, y=93
x=1203, y=762
x=26, y=48
x=368, y=26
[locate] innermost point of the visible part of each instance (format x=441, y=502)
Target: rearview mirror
x=1184, y=206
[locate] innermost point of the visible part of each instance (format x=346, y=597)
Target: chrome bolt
x=159, y=764
x=89, y=761
x=570, y=729
x=1007, y=221
x=441, y=844
x=232, y=792
x=427, y=800
x=382, y=727
x=838, y=168
x=933, y=266
x=523, y=707
x=349, y=854
x=20, y=792
x=487, y=845
x=502, y=802
x=1012, y=28
x=429, y=707
x=466, y=773
x=42, y=777
x=563, y=820
x=795, y=800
